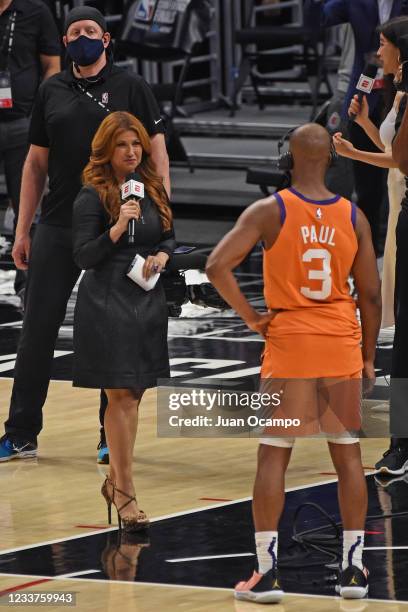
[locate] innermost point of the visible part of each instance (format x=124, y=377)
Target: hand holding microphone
x=132, y=189
x=128, y=212
x=358, y=110
x=364, y=86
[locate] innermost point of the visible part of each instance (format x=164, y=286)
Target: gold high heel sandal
x=130, y=524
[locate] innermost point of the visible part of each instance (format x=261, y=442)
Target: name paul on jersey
x=321, y=235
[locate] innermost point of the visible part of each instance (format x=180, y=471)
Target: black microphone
x=132, y=188
x=365, y=83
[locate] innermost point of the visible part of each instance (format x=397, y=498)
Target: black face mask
x=85, y=51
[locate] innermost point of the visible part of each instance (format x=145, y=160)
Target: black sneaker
x=353, y=583
x=16, y=449
x=261, y=588
x=394, y=461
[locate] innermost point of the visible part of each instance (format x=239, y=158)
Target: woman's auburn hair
x=99, y=172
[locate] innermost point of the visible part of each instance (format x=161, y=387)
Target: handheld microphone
x=365, y=83
x=132, y=188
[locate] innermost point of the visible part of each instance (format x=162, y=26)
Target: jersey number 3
x=324, y=274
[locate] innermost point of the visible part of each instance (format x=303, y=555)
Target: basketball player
x=313, y=240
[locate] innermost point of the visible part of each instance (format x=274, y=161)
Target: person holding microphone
x=389, y=54
x=69, y=108
x=120, y=325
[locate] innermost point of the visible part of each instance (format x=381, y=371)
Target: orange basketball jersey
x=306, y=270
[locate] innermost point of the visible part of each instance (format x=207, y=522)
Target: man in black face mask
x=67, y=112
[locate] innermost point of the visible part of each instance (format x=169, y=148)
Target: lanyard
x=88, y=93
x=11, y=29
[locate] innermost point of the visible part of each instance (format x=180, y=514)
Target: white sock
x=266, y=550
x=353, y=544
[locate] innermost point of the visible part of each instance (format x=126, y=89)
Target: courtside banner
x=321, y=407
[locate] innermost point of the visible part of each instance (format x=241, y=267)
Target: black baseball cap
x=80, y=13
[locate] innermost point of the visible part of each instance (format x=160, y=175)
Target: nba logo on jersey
x=105, y=97
x=319, y=213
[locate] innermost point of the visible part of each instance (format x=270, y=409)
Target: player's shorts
x=310, y=356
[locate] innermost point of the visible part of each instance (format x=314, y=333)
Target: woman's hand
x=343, y=147
x=129, y=210
x=154, y=264
x=359, y=110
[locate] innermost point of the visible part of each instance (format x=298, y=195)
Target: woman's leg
x=121, y=426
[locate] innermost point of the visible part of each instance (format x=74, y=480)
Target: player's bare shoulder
x=267, y=216
x=363, y=229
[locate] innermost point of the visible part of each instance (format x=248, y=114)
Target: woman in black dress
x=120, y=330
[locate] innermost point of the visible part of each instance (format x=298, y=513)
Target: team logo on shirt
x=319, y=213
x=105, y=97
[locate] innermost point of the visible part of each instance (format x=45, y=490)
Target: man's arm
x=32, y=188
x=368, y=287
x=325, y=13
x=161, y=160
x=233, y=248
x=51, y=64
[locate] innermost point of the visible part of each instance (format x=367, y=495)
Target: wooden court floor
x=57, y=496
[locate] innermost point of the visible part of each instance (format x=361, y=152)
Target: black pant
x=52, y=275
x=13, y=150
x=399, y=368
x=369, y=182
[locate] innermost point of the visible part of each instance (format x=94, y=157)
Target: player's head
x=311, y=148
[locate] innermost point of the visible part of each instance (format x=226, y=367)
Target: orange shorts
x=310, y=356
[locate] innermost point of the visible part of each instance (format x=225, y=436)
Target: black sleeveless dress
x=120, y=330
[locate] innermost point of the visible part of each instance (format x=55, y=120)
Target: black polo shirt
x=35, y=33
x=65, y=120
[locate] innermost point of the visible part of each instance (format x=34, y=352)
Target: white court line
x=385, y=547
x=210, y=557
x=11, y=323
x=243, y=339
x=249, y=554
x=160, y=518
x=187, y=586
x=82, y=573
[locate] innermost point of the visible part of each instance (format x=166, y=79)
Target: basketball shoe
x=16, y=449
x=353, y=583
x=103, y=450
x=394, y=461
x=260, y=588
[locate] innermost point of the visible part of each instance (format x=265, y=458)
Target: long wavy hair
x=99, y=172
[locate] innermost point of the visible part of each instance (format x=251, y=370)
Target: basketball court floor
x=54, y=535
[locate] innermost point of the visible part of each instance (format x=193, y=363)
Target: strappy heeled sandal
x=108, y=498
x=130, y=524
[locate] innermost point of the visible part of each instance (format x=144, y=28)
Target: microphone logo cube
x=365, y=84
